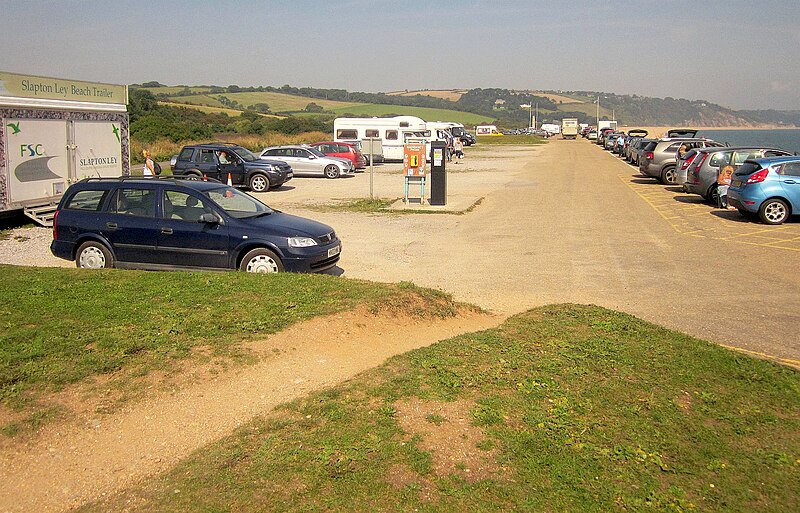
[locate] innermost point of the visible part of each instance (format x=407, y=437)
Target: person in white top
x=148, y=169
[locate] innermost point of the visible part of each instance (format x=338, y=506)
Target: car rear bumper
x=62, y=249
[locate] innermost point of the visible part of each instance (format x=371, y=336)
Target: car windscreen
x=244, y=154
x=315, y=152
x=748, y=168
x=236, y=203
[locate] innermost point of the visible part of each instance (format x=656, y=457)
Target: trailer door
x=98, y=150
x=37, y=159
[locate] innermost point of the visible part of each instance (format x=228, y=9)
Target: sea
x=785, y=139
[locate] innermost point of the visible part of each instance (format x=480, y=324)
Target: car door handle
x=112, y=226
x=166, y=231
x=790, y=181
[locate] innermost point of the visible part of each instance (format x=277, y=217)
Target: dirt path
x=66, y=468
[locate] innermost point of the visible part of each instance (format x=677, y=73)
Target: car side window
x=391, y=135
x=134, y=202
x=791, y=169
x=343, y=148
x=301, y=153
x=720, y=158
x=86, y=200
x=184, y=207
x=776, y=153
x=207, y=157
x=372, y=133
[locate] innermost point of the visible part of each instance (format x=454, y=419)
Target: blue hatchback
x=168, y=223
x=769, y=187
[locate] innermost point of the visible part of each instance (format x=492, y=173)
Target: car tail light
x=696, y=172
x=648, y=155
x=688, y=162
x=55, y=222
x=759, y=176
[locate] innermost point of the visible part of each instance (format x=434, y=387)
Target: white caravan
x=391, y=132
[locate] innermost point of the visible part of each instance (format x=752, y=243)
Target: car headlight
x=301, y=242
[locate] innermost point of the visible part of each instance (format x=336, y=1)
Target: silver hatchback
x=702, y=172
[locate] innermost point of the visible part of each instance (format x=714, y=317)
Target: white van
x=487, y=130
x=392, y=132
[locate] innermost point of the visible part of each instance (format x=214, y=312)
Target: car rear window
x=86, y=200
x=747, y=169
x=720, y=158
x=651, y=146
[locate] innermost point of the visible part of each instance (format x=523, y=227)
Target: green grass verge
x=580, y=409
x=63, y=325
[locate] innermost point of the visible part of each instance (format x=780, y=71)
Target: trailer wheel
x=93, y=255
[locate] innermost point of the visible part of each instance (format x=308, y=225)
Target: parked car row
x=272, y=168
x=765, y=181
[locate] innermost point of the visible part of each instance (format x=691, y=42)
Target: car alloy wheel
x=774, y=211
x=331, y=171
x=259, y=183
x=670, y=176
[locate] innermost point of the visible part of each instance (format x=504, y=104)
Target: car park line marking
x=694, y=220
x=785, y=361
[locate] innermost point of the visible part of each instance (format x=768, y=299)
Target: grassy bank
x=61, y=326
x=564, y=408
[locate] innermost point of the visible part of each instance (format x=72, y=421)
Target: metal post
x=371, y=166
x=597, y=127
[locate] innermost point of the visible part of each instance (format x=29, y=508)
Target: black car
x=169, y=223
x=221, y=160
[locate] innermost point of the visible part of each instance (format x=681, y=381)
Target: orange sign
x=414, y=159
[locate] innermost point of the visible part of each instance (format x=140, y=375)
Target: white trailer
x=391, y=132
x=54, y=132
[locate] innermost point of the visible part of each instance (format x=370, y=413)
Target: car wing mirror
x=209, y=218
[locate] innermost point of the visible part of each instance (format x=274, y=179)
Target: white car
x=308, y=161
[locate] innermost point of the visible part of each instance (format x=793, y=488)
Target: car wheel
x=669, y=176
x=193, y=175
x=773, y=211
x=713, y=194
x=261, y=260
x=331, y=171
x=93, y=255
x=259, y=183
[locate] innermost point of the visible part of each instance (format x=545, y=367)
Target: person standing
x=149, y=168
x=723, y=182
x=458, y=148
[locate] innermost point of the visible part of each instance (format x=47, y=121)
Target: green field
x=204, y=108
x=371, y=109
x=170, y=90
x=278, y=102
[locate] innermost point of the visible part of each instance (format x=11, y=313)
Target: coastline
x=657, y=131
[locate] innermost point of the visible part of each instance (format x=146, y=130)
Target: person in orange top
x=723, y=182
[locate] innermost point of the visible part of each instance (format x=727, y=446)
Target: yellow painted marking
x=683, y=217
x=785, y=361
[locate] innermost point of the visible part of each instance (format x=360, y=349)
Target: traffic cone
x=205, y=178
x=230, y=180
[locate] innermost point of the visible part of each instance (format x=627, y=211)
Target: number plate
x=334, y=251
x=737, y=183
x=290, y=174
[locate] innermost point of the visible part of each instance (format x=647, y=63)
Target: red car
x=343, y=150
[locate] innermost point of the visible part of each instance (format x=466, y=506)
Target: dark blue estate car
x=167, y=223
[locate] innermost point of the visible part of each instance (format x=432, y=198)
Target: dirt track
x=561, y=223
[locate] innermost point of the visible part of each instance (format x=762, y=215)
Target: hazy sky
x=741, y=54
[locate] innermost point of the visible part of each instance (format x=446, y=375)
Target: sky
x=739, y=54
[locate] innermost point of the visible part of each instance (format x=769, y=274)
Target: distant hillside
x=507, y=108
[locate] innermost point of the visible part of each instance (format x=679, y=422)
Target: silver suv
x=659, y=158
